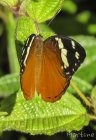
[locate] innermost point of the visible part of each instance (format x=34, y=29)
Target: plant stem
x=82, y=96
x=12, y=55
x=11, y=49
x=92, y=117
x=3, y=16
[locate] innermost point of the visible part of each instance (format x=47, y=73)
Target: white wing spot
x=28, y=50
x=77, y=55
x=23, y=52
x=75, y=64
x=65, y=66
x=60, y=44
x=56, y=38
x=27, y=41
x=73, y=44
x=67, y=73
x=64, y=51
x=22, y=70
x=65, y=61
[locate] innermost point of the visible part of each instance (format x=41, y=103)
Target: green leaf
x=9, y=2
x=69, y=6
x=43, y=10
x=39, y=117
x=81, y=84
x=25, y=27
x=92, y=28
x=9, y=84
x=83, y=17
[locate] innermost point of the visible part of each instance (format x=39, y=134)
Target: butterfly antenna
x=53, y=17
x=55, y=14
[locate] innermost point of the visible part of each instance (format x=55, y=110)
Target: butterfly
x=46, y=67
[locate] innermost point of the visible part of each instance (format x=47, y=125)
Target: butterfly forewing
x=27, y=71
x=72, y=53
x=25, y=52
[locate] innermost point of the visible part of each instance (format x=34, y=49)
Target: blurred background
x=77, y=17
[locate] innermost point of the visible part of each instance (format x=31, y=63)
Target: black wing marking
x=25, y=52
x=72, y=53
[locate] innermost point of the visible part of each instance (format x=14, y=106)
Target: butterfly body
x=47, y=66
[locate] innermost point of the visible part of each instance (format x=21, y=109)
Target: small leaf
x=71, y=4
x=9, y=84
x=43, y=10
x=25, y=27
x=92, y=28
x=39, y=117
x=83, y=17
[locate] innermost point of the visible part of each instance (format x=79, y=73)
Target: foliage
x=37, y=116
